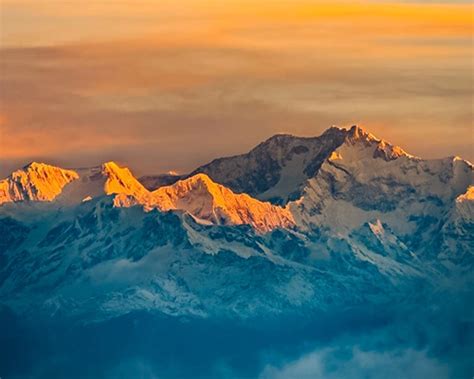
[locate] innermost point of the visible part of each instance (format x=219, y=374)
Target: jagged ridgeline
x=295, y=225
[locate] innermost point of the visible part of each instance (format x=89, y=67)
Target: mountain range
x=296, y=225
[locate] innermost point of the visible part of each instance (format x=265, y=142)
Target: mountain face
x=277, y=169
x=365, y=180
x=35, y=182
x=206, y=200
x=98, y=261
x=352, y=220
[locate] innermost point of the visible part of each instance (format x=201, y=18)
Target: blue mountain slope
x=381, y=242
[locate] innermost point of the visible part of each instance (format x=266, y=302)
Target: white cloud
x=335, y=363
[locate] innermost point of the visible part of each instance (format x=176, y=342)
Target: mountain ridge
x=278, y=168
x=336, y=152
x=198, y=194
x=363, y=222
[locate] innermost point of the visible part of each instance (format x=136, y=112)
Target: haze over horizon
x=169, y=87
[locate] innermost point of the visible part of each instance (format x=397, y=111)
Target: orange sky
x=173, y=85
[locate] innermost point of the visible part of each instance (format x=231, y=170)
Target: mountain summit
x=35, y=182
x=382, y=149
x=277, y=169
x=207, y=200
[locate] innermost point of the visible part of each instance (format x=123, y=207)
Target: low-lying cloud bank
x=352, y=362
x=432, y=338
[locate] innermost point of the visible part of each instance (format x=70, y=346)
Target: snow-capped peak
x=121, y=180
x=209, y=201
x=36, y=182
x=382, y=148
x=277, y=168
x=356, y=133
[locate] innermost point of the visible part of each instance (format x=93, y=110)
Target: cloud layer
x=162, y=87
x=357, y=364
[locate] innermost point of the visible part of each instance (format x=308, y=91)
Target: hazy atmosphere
x=167, y=86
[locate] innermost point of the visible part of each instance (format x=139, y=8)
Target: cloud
x=331, y=363
x=431, y=338
x=229, y=78
x=428, y=335
x=132, y=368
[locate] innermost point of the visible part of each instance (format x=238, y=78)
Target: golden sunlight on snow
x=467, y=196
x=37, y=181
x=197, y=195
x=207, y=200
